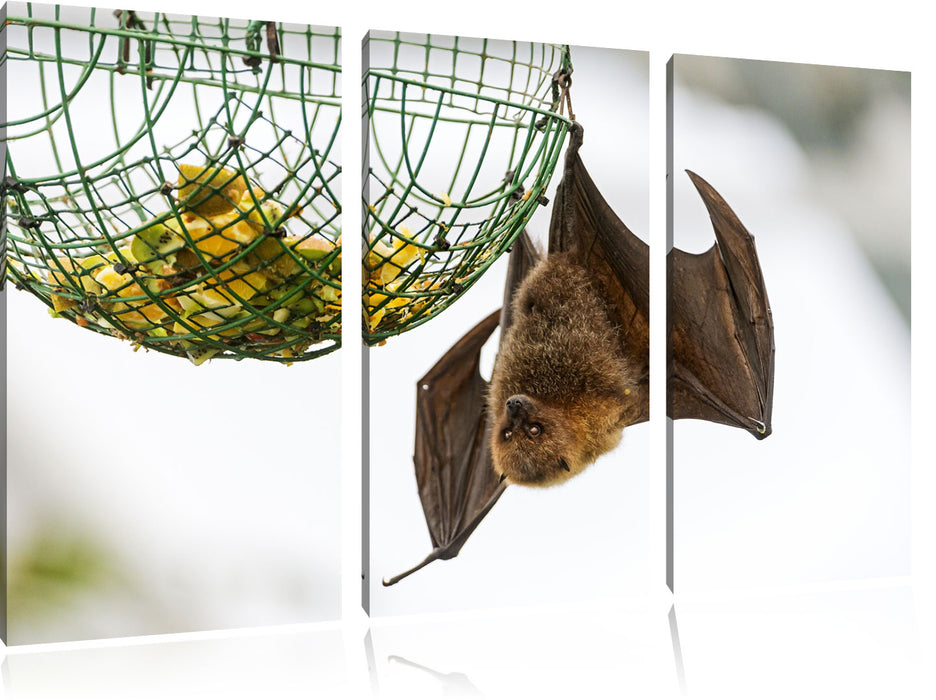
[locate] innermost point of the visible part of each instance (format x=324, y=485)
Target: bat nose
x=517, y=405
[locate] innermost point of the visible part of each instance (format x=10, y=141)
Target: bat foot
x=761, y=430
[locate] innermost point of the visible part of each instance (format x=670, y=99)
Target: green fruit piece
x=208, y=194
x=269, y=210
x=306, y=305
x=199, y=355
x=153, y=247
x=195, y=309
x=328, y=293
x=217, y=302
x=301, y=324
x=313, y=249
x=91, y=264
x=276, y=259
x=296, y=298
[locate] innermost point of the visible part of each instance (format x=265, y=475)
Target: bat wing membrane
x=721, y=330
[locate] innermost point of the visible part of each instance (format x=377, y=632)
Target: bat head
x=533, y=443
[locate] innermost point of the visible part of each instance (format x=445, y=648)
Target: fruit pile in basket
x=215, y=276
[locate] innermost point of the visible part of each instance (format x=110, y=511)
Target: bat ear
x=563, y=464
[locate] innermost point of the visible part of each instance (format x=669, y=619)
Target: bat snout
x=518, y=406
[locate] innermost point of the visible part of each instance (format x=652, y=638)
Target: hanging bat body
x=561, y=384
x=572, y=365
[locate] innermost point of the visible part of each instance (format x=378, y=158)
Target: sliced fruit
x=74, y=273
x=328, y=293
x=137, y=314
x=90, y=265
x=110, y=279
x=269, y=210
x=276, y=259
x=199, y=355
x=219, y=235
x=153, y=247
x=60, y=303
x=386, y=262
x=207, y=192
x=314, y=248
x=240, y=280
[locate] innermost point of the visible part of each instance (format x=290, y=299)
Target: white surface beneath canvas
x=837, y=641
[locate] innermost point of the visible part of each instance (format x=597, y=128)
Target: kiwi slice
x=153, y=245
x=199, y=355
x=270, y=211
x=208, y=194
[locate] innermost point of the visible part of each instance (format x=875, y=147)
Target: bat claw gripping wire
x=565, y=98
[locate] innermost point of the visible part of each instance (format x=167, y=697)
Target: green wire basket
x=462, y=137
x=173, y=180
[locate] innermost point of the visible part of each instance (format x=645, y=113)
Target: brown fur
x=563, y=362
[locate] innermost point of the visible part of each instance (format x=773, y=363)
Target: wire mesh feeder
x=463, y=136
x=173, y=180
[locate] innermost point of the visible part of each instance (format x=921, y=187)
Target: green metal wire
x=123, y=124
x=463, y=136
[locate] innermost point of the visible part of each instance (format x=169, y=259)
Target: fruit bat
x=572, y=369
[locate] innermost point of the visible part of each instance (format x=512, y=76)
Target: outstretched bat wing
x=582, y=221
x=457, y=484
x=721, y=356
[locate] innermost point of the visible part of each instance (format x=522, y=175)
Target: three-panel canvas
x=173, y=191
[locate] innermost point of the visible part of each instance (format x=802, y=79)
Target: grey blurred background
x=851, y=127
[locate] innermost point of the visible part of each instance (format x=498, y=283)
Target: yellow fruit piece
x=387, y=262
x=407, y=304
x=376, y=298
x=204, y=321
x=137, y=314
x=60, y=303
x=272, y=211
x=375, y=257
x=56, y=277
x=272, y=252
x=75, y=275
x=218, y=235
x=316, y=244
x=373, y=320
x=208, y=194
x=238, y=280
x=110, y=279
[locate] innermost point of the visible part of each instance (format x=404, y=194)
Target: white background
x=846, y=640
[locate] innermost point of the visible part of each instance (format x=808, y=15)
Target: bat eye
x=507, y=434
x=535, y=429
